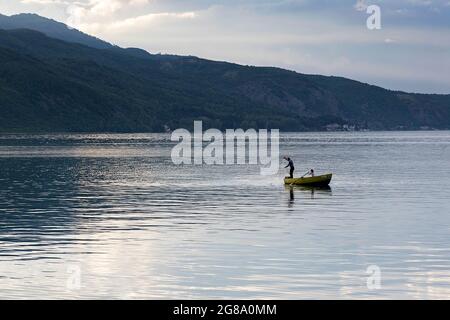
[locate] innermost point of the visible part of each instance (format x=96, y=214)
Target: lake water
x=110, y=216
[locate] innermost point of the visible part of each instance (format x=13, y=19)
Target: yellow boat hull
x=319, y=181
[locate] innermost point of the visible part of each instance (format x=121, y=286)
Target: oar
x=306, y=173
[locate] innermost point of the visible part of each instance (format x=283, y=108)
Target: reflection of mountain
x=86, y=84
x=50, y=200
x=37, y=200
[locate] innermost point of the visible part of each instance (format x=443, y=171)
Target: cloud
x=95, y=11
x=97, y=16
x=421, y=2
x=361, y=5
x=46, y=2
x=144, y=20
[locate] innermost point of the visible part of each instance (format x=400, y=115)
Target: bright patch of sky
x=411, y=52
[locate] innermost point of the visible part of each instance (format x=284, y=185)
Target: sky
x=410, y=52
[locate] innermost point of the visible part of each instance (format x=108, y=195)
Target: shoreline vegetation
x=37, y=133
x=328, y=128
x=83, y=84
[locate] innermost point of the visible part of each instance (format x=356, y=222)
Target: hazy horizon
x=409, y=52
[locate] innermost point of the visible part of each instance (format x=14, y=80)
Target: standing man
x=291, y=165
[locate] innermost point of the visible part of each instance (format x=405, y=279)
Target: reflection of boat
x=306, y=190
x=323, y=189
x=317, y=181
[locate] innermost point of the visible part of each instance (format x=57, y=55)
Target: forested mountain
x=50, y=28
x=50, y=85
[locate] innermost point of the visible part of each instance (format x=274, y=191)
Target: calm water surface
x=114, y=210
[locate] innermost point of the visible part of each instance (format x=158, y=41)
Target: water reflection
x=140, y=227
x=307, y=191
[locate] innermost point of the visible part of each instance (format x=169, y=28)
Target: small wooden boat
x=317, y=181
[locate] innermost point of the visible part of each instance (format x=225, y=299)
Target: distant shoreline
x=155, y=132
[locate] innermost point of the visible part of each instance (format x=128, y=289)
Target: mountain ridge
x=51, y=28
x=49, y=85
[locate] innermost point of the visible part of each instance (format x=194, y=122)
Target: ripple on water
x=139, y=227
